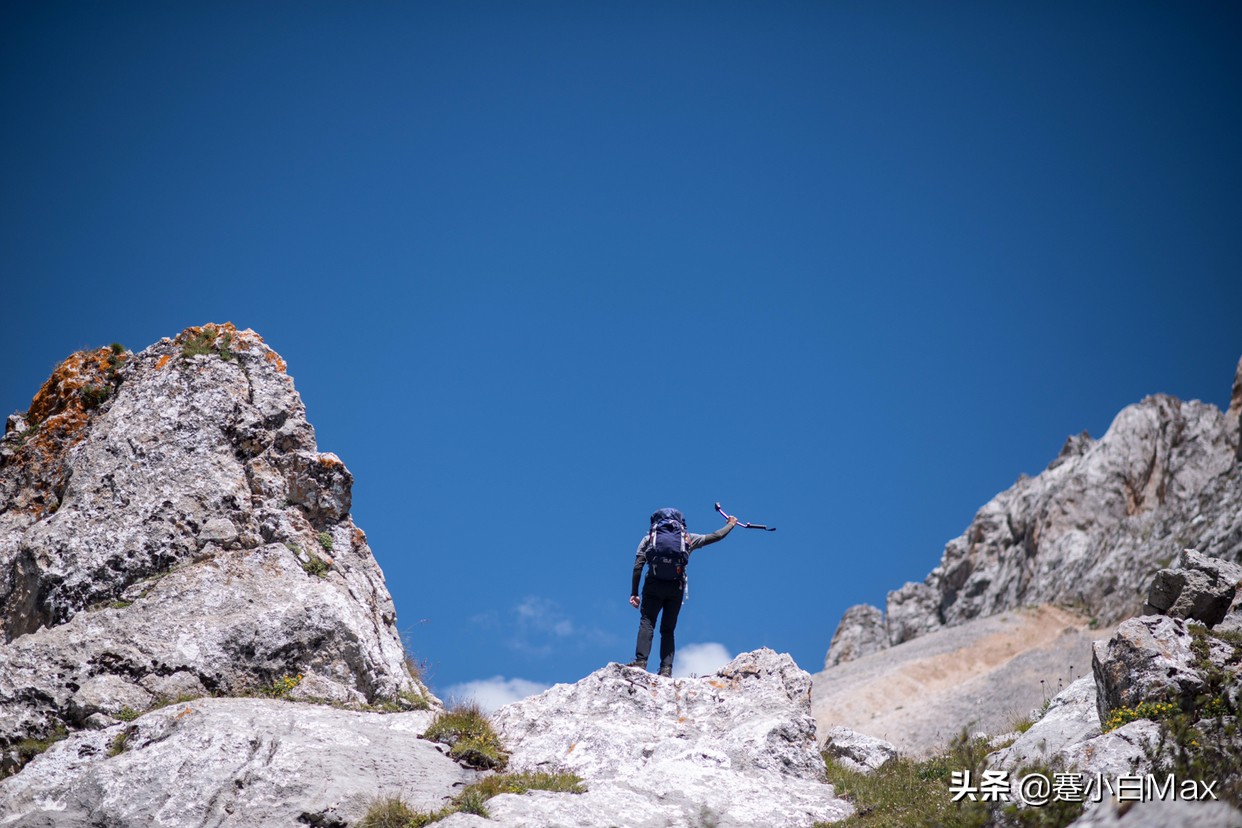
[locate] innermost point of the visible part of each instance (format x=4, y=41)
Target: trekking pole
x=744, y=525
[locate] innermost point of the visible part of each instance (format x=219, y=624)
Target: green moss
x=26, y=749
x=325, y=540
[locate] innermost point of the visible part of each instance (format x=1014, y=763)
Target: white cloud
x=539, y=627
x=494, y=692
x=544, y=616
x=700, y=659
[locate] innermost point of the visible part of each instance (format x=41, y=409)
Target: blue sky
x=541, y=268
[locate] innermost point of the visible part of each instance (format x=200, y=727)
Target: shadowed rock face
x=163, y=516
x=1088, y=532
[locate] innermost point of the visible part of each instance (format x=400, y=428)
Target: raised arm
x=697, y=541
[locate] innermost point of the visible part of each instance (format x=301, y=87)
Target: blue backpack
x=669, y=552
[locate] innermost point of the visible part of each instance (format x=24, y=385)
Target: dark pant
x=658, y=597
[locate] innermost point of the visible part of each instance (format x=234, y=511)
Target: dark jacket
x=695, y=542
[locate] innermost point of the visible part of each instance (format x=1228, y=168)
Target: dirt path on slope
x=982, y=675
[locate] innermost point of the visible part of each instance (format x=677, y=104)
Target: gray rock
x=913, y=610
x=1072, y=717
x=217, y=530
x=860, y=632
x=856, y=751
x=1158, y=813
x=156, y=542
x=1200, y=588
x=738, y=746
x=1091, y=529
x=1149, y=659
x=232, y=762
x=1124, y=751
x=107, y=694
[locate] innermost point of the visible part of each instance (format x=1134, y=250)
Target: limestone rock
x=738, y=747
x=232, y=763
x=1149, y=659
x=912, y=611
x=1091, y=529
x=1159, y=813
x=856, y=751
x=1200, y=588
x=1072, y=717
x=168, y=528
x=860, y=632
x=1122, y=752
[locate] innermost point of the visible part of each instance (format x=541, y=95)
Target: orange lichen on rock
x=274, y=358
x=330, y=460
x=360, y=538
x=75, y=373
x=163, y=360
x=59, y=416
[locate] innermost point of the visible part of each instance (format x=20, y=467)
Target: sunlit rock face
x=737, y=748
x=1088, y=532
x=169, y=528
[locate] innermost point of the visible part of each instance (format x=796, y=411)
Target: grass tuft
x=467, y=731
x=393, y=812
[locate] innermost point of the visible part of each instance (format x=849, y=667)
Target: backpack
x=668, y=552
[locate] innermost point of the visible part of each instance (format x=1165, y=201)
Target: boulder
x=232, y=763
x=856, y=751
x=737, y=748
x=1200, y=588
x=1149, y=659
x=1071, y=717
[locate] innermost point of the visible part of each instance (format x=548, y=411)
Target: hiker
x=666, y=550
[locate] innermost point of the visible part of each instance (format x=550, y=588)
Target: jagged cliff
x=1087, y=533
x=168, y=528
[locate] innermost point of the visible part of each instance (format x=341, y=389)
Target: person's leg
x=671, y=606
x=648, y=609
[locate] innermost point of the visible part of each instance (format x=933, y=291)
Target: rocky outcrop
x=1162, y=700
x=1152, y=659
x=1091, y=529
x=168, y=528
x=860, y=632
x=737, y=748
x=232, y=762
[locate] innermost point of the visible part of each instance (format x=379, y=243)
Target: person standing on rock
x=665, y=550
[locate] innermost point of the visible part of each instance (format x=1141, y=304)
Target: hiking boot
x=667, y=672
x=642, y=665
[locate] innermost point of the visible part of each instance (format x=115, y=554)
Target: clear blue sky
x=538, y=269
